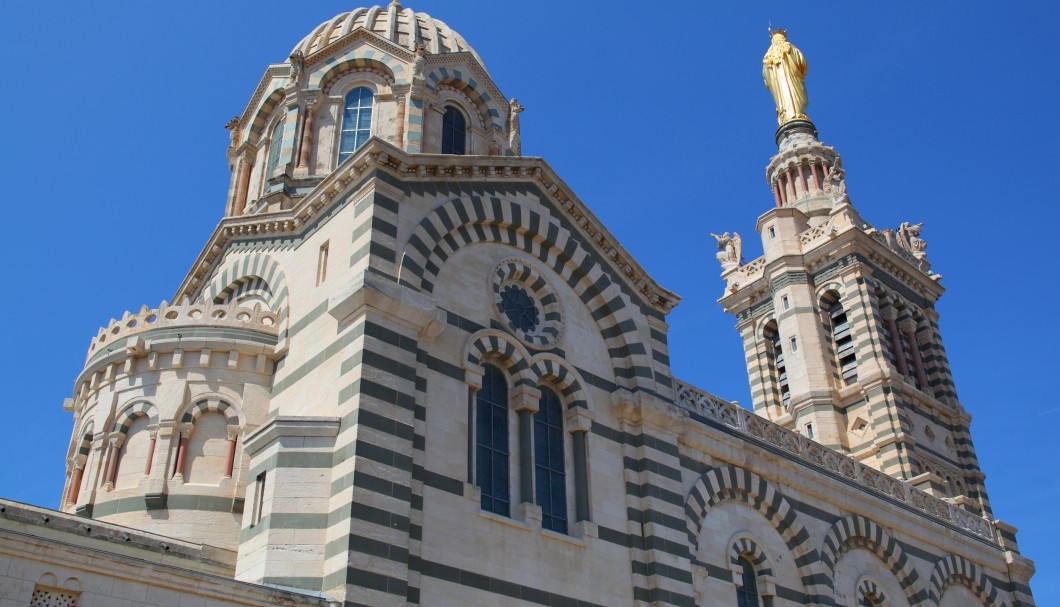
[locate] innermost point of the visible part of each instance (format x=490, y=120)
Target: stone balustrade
x=185, y=314
x=818, y=456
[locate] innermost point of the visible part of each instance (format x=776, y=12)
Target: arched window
x=747, y=591
x=842, y=338
x=275, y=141
x=207, y=449
x=550, y=477
x=134, y=454
x=775, y=352
x=454, y=132
x=491, y=441
x=356, y=121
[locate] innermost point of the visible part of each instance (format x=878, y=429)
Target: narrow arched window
x=134, y=454
x=356, y=121
x=747, y=592
x=842, y=339
x=775, y=353
x=207, y=449
x=275, y=141
x=550, y=476
x=491, y=441
x=454, y=132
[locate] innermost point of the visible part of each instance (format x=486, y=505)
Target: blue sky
x=654, y=113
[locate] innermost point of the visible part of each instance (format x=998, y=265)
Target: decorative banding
x=517, y=273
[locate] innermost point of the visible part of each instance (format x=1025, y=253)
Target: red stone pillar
x=112, y=462
x=896, y=344
x=776, y=193
x=75, y=485
x=182, y=454
x=802, y=181
x=816, y=177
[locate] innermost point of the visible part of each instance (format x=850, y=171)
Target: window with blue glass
x=747, y=593
x=491, y=442
x=454, y=132
x=275, y=141
x=550, y=479
x=356, y=121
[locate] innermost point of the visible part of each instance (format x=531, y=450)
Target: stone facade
x=395, y=376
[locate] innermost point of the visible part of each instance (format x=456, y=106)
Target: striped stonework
x=747, y=548
x=550, y=369
x=953, y=569
x=494, y=346
x=734, y=483
x=211, y=404
x=264, y=111
x=123, y=420
x=468, y=220
x=361, y=58
x=870, y=594
x=250, y=274
x=860, y=532
x=465, y=82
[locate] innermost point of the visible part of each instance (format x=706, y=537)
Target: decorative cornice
x=377, y=154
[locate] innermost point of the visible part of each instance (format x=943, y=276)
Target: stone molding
x=831, y=462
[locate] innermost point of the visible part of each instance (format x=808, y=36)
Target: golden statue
x=784, y=71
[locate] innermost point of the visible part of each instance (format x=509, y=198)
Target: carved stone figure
x=515, y=140
x=297, y=67
x=908, y=238
x=784, y=72
x=730, y=249
x=836, y=183
x=233, y=131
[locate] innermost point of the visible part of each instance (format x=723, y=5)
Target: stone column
x=896, y=342
x=182, y=452
x=230, y=456
x=150, y=454
x=579, y=422
x=918, y=361
x=305, y=145
x=525, y=402
x=242, y=182
x=78, y=465
x=113, y=452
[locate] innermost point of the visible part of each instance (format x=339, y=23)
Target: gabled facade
x=410, y=366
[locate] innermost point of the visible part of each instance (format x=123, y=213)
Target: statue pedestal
x=795, y=131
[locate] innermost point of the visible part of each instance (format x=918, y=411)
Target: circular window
x=526, y=304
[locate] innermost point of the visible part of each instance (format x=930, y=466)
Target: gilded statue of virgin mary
x=784, y=71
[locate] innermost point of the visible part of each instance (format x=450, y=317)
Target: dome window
x=454, y=132
x=356, y=121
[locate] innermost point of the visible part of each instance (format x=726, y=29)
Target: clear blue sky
x=945, y=112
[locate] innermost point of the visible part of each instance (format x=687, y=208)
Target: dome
x=402, y=26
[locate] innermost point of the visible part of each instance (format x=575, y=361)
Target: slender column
x=112, y=462
x=776, y=193
x=581, y=478
x=230, y=457
x=896, y=344
x=150, y=456
x=816, y=177
x=182, y=453
x=526, y=456
x=305, y=147
x=803, y=183
x=782, y=180
x=242, y=184
x=918, y=361
x=75, y=484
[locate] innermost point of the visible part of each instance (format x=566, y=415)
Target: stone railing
x=186, y=314
x=816, y=232
x=818, y=456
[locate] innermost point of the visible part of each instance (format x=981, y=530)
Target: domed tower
x=838, y=318
x=390, y=73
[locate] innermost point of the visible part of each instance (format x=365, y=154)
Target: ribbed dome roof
x=400, y=25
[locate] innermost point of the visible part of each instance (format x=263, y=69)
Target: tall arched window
x=550, y=477
x=356, y=121
x=491, y=441
x=775, y=352
x=134, y=454
x=454, y=132
x=275, y=141
x=842, y=338
x=747, y=592
x=207, y=449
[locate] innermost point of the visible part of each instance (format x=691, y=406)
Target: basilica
x=411, y=367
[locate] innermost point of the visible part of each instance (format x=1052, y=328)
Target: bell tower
x=838, y=318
